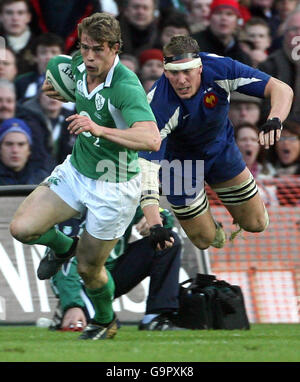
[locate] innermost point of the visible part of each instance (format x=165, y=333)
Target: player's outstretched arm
x=281, y=97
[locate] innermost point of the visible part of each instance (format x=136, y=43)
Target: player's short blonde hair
x=181, y=44
x=101, y=27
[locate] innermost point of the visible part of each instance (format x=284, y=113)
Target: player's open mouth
x=248, y=153
x=90, y=68
x=183, y=90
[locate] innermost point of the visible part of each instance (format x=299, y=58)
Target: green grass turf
x=263, y=343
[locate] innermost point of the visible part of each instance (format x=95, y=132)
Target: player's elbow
x=155, y=145
x=153, y=141
x=289, y=92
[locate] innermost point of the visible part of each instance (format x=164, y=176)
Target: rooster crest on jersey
x=59, y=74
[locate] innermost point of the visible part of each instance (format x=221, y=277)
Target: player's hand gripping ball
x=60, y=76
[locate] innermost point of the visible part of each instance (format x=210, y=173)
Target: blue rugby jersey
x=198, y=128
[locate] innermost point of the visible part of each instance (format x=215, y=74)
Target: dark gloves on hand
x=158, y=235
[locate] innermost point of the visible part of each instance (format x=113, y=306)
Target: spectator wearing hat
x=40, y=137
x=151, y=63
x=16, y=166
x=220, y=36
x=244, y=109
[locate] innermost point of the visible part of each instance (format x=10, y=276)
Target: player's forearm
x=281, y=98
x=143, y=137
x=152, y=215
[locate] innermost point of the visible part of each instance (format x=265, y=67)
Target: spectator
x=8, y=64
x=130, y=61
x=131, y=261
x=62, y=17
x=198, y=15
x=284, y=8
x=244, y=109
x=7, y=100
x=286, y=154
x=148, y=82
x=169, y=25
x=151, y=63
x=45, y=46
x=284, y=63
x=259, y=33
x=265, y=9
x=10, y=109
x=15, y=18
x=138, y=26
x=15, y=150
x=246, y=136
x=220, y=37
x=170, y=5
x=49, y=117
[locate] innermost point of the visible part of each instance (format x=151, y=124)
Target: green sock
x=102, y=299
x=56, y=240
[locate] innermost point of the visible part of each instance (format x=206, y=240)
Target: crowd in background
x=264, y=34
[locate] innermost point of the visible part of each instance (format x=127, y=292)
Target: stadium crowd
x=261, y=33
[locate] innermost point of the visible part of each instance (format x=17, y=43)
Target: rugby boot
x=50, y=263
x=95, y=331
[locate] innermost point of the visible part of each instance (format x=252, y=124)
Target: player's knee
x=20, y=231
x=202, y=241
x=91, y=276
x=256, y=224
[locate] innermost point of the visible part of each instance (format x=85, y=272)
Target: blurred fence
x=266, y=265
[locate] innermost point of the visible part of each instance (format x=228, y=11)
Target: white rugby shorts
x=109, y=207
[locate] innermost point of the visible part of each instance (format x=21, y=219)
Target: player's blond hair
x=101, y=27
x=181, y=44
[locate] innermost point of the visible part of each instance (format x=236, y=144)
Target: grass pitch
x=262, y=343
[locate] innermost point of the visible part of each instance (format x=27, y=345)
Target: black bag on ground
x=208, y=303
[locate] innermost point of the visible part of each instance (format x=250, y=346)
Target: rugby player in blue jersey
x=190, y=102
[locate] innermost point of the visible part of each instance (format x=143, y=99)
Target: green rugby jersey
x=117, y=103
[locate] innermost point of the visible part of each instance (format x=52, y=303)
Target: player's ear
x=116, y=47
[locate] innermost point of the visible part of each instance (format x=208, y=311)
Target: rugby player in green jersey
x=101, y=177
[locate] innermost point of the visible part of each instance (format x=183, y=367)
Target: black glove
x=158, y=235
x=271, y=124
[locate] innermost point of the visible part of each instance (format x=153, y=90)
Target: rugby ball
x=59, y=74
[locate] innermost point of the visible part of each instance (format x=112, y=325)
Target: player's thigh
x=246, y=212
x=42, y=209
x=201, y=229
